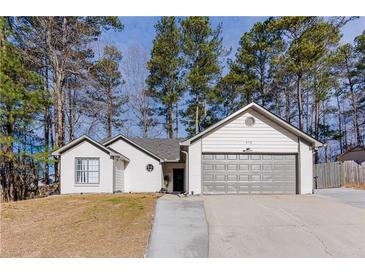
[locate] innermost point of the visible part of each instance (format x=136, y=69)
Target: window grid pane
x=87, y=171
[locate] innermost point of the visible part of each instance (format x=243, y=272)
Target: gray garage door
x=248, y=173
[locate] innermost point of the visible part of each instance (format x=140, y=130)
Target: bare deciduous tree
x=141, y=105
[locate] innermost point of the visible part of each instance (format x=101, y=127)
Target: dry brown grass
x=356, y=186
x=100, y=225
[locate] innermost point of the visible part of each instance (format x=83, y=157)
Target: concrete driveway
x=354, y=197
x=283, y=226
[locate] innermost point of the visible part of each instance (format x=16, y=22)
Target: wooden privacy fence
x=328, y=175
x=354, y=174
x=337, y=174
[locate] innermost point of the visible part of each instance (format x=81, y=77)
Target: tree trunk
x=277, y=101
x=58, y=72
x=177, y=120
x=110, y=113
x=72, y=110
x=9, y=155
x=62, y=116
x=316, y=127
x=144, y=112
x=62, y=81
x=316, y=120
x=170, y=126
x=340, y=130
x=307, y=118
x=355, y=114
x=345, y=140
x=287, y=105
x=197, y=117
x=325, y=137
x=299, y=100
x=262, y=87
x=46, y=125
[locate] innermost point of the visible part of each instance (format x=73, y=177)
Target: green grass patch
x=116, y=200
x=135, y=205
x=129, y=203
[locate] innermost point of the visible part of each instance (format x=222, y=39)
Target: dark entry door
x=178, y=180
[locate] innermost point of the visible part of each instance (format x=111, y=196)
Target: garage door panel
x=232, y=188
x=232, y=157
x=244, y=177
x=243, y=157
x=248, y=173
x=214, y=188
x=232, y=178
x=208, y=157
x=220, y=157
x=231, y=166
x=219, y=177
x=208, y=166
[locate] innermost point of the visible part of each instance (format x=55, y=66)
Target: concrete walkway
x=353, y=197
x=180, y=229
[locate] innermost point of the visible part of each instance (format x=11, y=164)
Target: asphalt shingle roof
x=167, y=149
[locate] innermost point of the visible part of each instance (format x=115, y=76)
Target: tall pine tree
x=107, y=82
x=20, y=101
x=308, y=39
x=202, y=48
x=165, y=80
x=253, y=58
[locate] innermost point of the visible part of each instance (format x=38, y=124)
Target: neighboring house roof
x=356, y=154
x=264, y=112
x=85, y=138
x=161, y=149
x=167, y=149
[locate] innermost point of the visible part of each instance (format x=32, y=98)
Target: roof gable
x=263, y=112
x=129, y=141
x=85, y=138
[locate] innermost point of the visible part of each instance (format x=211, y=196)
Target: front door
x=178, y=179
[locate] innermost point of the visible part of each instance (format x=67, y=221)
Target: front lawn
x=100, y=225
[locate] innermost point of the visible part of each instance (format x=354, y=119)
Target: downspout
x=187, y=169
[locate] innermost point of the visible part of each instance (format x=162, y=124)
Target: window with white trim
x=87, y=170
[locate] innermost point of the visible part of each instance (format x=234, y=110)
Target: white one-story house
x=250, y=151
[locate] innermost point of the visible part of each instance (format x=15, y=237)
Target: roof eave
x=83, y=138
x=171, y=161
x=64, y=148
x=134, y=144
x=315, y=143
x=120, y=156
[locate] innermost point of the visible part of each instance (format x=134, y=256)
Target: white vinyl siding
x=86, y=150
x=194, y=163
x=119, y=175
x=263, y=137
x=136, y=176
x=87, y=170
x=306, y=168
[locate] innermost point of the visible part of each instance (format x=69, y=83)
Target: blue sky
x=140, y=30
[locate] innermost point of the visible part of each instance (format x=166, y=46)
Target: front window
x=87, y=170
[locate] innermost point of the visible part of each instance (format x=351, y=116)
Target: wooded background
x=57, y=82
